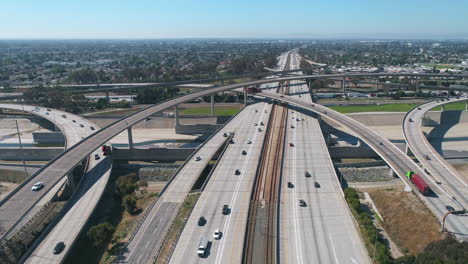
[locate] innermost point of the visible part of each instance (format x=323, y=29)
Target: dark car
x=225, y=210
x=74, y=121
x=59, y=248
x=244, y=152
x=290, y=185
x=316, y=185
x=237, y=172
x=426, y=157
x=92, y=128
x=449, y=208
x=64, y=116
x=302, y=203
x=307, y=174
x=96, y=157
x=201, y=221
x=48, y=109
x=225, y=135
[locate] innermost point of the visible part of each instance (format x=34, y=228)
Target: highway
x=324, y=231
x=440, y=170
x=225, y=188
x=149, y=237
x=394, y=157
x=13, y=208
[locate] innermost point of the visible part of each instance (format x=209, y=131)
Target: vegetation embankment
x=14, y=176
x=114, y=220
x=396, y=107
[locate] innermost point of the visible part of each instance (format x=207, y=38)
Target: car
x=47, y=113
x=64, y=116
x=292, y=112
x=244, y=152
x=261, y=123
x=325, y=112
x=217, y=234
x=59, y=248
x=427, y=157
x=419, y=108
x=290, y=185
x=225, y=210
x=255, y=124
x=281, y=96
x=449, y=208
x=37, y=186
x=411, y=120
x=249, y=141
x=307, y=174
x=48, y=109
x=225, y=135
x=74, y=121
x=312, y=105
x=297, y=119
x=259, y=130
x=96, y=157
x=201, y=221
x=92, y=128
x=380, y=143
x=81, y=125
x=316, y=185
x=237, y=172
x=291, y=144
x=198, y=158
x=292, y=126
x=300, y=95
x=302, y=203
x=231, y=141
x=256, y=111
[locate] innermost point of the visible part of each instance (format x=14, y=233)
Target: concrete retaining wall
x=151, y=154
x=352, y=152
x=48, y=137
x=30, y=154
x=196, y=129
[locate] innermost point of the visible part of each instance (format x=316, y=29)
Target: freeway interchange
x=165, y=211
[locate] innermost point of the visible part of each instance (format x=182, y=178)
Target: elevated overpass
x=393, y=156
x=440, y=170
x=14, y=208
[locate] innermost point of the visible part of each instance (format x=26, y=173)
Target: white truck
x=202, y=247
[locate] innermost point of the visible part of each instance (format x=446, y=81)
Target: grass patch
x=177, y=227
x=443, y=66
x=397, y=107
x=13, y=176
x=206, y=110
x=407, y=220
x=452, y=106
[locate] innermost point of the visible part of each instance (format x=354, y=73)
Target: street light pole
x=21, y=149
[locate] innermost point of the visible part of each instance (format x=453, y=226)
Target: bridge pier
x=71, y=181
x=442, y=108
x=130, y=138
x=343, y=82
x=466, y=106
x=212, y=105
x=176, y=114
x=245, y=96
x=107, y=97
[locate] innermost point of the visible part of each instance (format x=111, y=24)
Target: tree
x=129, y=203
x=127, y=184
x=101, y=233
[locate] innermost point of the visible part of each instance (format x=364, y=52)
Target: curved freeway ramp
x=443, y=173
x=393, y=156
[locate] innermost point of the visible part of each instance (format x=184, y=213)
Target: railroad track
x=262, y=229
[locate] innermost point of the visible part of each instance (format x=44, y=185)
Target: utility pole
x=21, y=149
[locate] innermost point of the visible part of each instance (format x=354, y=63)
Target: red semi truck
x=419, y=182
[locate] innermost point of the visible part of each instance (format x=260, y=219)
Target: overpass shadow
x=448, y=119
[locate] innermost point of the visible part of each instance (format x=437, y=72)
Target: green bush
x=129, y=203
x=101, y=233
x=127, y=184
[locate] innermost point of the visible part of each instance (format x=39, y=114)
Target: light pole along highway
x=65, y=162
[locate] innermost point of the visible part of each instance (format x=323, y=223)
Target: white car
x=37, y=186
x=217, y=234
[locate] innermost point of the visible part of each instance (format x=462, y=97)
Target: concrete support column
x=176, y=115
x=442, y=108
x=245, y=97
x=466, y=106
x=107, y=97
x=343, y=82
x=212, y=105
x=130, y=138
x=71, y=181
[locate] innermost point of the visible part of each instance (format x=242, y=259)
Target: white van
x=202, y=247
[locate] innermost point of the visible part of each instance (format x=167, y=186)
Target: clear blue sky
x=233, y=18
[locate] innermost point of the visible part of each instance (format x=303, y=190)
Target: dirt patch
x=5, y=188
x=406, y=219
x=462, y=168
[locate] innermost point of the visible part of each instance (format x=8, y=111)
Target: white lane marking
x=334, y=251
x=236, y=190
